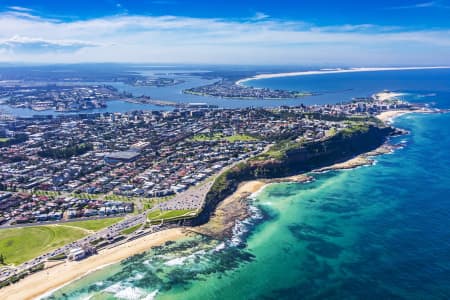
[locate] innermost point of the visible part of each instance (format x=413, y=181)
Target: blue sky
x=227, y=32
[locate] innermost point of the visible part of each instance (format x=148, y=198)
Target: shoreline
x=389, y=116
x=51, y=279
x=333, y=71
x=227, y=212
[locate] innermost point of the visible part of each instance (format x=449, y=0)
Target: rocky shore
x=224, y=207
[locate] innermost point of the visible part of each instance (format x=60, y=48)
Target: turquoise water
x=376, y=232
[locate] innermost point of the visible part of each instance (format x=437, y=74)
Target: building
x=121, y=156
x=77, y=254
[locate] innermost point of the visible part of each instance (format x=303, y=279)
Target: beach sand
x=333, y=71
x=228, y=211
x=55, y=277
x=389, y=116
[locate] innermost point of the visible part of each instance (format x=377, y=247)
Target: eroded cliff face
x=307, y=157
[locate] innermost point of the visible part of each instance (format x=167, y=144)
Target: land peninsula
x=290, y=141
x=228, y=89
x=333, y=71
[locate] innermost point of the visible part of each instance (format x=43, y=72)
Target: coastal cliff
x=292, y=159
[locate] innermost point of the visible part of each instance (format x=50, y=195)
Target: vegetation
x=131, y=229
x=289, y=157
x=355, y=127
x=17, y=139
x=157, y=216
x=97, y=241
x=21, y=275
x=58, y=257
x=21, y=244
x=278, y=150
x=52, y=194
x=219, y=136
x=38, y=267
x=66, y=152
x=240, y=138
x=95, y=225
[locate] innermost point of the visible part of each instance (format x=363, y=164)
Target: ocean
x=374, y=232
x=331, y=88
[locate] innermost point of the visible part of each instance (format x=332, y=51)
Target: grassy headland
x=290, y=157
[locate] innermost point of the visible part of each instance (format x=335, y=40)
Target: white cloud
x=20, y=8
x=260, y=16
x=430, y=4
x=130, y=38
x=36, y=45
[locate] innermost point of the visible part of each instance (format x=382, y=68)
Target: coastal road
x=191, y=199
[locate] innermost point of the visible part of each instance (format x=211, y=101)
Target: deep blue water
x=375, y=232
x=334, y=88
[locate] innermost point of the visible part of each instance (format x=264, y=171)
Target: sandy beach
x=43, y=282
x=55, y=277
x=334, y=71
x=227, y=212
x=389, y=116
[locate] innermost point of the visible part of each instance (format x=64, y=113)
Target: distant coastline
x=333, y=71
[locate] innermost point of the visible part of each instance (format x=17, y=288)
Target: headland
x=343, y=147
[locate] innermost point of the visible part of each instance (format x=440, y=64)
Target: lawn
x=4, y=140
x=131, y=229
x=240, y=138
x=202, y=137
x=219, y=136
x=21, y=244
x=94, y=225
x=170, y=214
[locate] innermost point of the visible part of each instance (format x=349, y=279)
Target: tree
x=2, y=259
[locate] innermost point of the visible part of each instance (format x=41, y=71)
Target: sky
x=246, y=32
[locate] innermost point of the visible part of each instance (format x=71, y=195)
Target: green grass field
x=218, y=136
x=240, y=138
x=131, y=229
x=21, y=244
x=170, y=214
x=4, y=140
x=94, y=225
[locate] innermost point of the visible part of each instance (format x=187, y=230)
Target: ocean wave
x=181, y=260
x=242, y=228
x=126, y=292
x=176, y=261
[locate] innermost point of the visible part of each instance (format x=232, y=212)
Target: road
x=193, y=198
